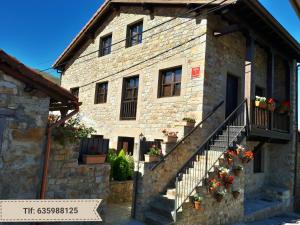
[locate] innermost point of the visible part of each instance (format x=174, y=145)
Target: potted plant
x=261, y=102
x=236, y=193
x=93, y=156
x=153, y=155
x=170, y=135
x=219, y=195
x=213, y=184
x=222, y=172
x=237, y=170
x=246, y=156
x=271, y=104
x=285, y=107
x=197, y=201
x=189, y=122
x=228, y=181
x=229, y=156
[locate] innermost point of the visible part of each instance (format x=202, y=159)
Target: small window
x=134, y=34
x=105, y=45
x=258, y=162
x=170, y=82
x=75, y=91
x=101, y=93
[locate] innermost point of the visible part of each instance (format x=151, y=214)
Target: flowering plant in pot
x=229, y=155
x=219, y=195
x=93, y=156
x=260, y=102
x=246, y=156
x=236, y=193
x=154, y=154
x=213, y=184
x=228, y=181
x=271, y=104
x=285, y=107
x=237, y=170
x=197, y=201
x=222, y=172
x=190, y=122
x=170, y=135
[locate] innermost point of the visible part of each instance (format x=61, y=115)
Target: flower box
x=171, y=139
x=197, y=205
x=94, y=159
x=189, y=124
x=151, y=158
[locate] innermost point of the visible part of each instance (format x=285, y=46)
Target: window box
x=94, y=159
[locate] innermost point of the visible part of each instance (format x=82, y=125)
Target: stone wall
x=180, y=42
x=120, y=191
x=69, y=180
x=229, y=211
x=21, y=152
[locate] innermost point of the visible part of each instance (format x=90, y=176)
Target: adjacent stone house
x=139, y=67
x=26, y=98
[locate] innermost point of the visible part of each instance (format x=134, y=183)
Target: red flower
x=229, y=179
x=286, y=104
x=271, y=101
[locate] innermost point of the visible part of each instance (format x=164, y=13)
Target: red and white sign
x=195, y=72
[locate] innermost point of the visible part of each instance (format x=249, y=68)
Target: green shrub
x=122, y=166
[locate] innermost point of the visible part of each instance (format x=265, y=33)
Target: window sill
x=169, y=99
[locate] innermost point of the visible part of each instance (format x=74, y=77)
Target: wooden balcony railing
x=267, y=120
x=128, y=109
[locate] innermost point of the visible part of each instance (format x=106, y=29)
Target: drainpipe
x=296, y=144
x=48, y=150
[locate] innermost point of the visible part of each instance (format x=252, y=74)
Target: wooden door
x=231, y=94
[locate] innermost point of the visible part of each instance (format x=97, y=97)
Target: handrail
x=211, y=136
x=200, y=151
x=186, y=136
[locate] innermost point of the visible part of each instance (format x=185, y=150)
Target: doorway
x=232, y=91
x=127, y=144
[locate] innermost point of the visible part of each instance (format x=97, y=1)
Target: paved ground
x=288, y=219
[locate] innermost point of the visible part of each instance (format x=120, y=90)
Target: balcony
x=268, y=125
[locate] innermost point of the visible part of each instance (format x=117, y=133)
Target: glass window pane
x=167, y=78
x=177, y=88
x=178, y=75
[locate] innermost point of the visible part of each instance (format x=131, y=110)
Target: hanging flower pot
x=197, y=201
x=219, y=196
x=237, y=170
x=236, y=194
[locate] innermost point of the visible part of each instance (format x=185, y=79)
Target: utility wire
x=153, y=57
x=125, y=39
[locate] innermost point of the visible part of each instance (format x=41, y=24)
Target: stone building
x=139, y=67
x=25, y=100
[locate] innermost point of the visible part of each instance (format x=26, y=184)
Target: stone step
x=154, y=218
x=162, y=209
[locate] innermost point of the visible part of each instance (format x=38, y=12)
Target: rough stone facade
x=120, y=191
x=186, y=37
x=69, y=180
x=24, y=116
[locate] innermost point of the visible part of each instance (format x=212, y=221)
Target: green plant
x=122, y=165
x=189, y=120
x=239, y=168
x=72, y=129
x=154, y=151
x=198, y=198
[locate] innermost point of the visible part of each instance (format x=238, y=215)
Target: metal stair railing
x=189, y=134
x=197, y=168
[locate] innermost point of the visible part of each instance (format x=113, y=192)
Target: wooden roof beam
x=227, y=30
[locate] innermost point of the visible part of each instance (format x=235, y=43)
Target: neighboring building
x=141, y=66
x=296, y=5
x=25, y=100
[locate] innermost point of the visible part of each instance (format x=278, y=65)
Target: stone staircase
x=162, y=209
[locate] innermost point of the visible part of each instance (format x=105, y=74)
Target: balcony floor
x=270, y=135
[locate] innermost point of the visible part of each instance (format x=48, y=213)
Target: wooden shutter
x=2, y=127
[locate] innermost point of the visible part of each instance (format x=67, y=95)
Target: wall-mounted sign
x=49, y=210
x=195, y=72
